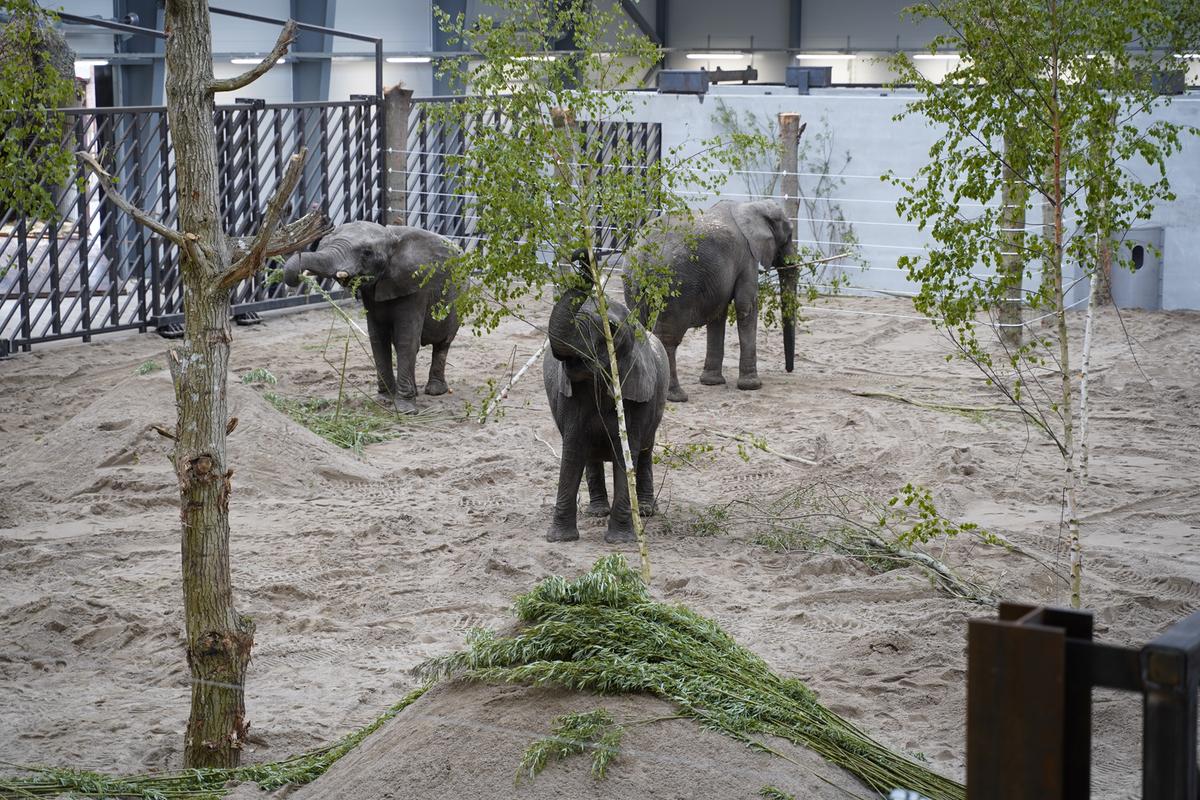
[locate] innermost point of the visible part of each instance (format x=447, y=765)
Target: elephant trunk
x=563, y=329
x=318, y=264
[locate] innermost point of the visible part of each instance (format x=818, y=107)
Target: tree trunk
x=218, y=638
x=1055, y=195
x=1014, y=196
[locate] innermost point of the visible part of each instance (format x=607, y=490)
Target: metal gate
x=94, y=270
x=436, y=201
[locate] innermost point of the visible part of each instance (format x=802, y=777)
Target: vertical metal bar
x=164, y=166
x=324, y=122
x=23, y=278
x=85, y=297
x=139, y=236
x=55, y=302
x=424, y=162
x=347, y=203
x=380, y=137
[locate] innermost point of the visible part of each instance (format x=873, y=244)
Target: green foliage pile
x=37, y=77
x=197, y=784
x=573, y=734
x=603, y=633
x=347, y=426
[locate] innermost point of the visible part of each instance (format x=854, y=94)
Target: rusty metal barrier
x=1030, y=675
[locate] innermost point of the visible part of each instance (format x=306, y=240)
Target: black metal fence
x=93, y=269
x=435, y=200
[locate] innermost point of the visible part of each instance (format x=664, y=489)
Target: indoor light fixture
x=715, y=56
x=827, y=56
x=87, y=63
x=935, y=56
x=348, y=58
x=253, y=61
x=408, y=59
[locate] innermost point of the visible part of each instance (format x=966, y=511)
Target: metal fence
x=435, y=200
x=94, y=270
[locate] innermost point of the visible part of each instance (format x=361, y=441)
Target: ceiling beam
x=649, y=30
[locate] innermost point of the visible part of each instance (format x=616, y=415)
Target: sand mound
x=110, y=450
x=466, y=740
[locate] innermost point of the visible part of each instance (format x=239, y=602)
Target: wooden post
x=1013, y=196
x=789, y=144
x=397, y=105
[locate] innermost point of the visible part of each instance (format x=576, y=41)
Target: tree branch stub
x=250, y=262
x=286, y=37
x=119, y=200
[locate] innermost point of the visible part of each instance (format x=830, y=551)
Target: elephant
x=710, y=260
x=585, y=412
x=401, y=275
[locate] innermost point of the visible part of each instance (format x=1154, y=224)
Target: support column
x=441, y=43
x=789, y=141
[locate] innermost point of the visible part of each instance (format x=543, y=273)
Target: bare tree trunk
x=1085, y=359
x=218, y=638
x=1014, y=196
x=789, y=143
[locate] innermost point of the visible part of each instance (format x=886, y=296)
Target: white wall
x=861, y=121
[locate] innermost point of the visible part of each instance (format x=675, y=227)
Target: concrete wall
x=861, y=125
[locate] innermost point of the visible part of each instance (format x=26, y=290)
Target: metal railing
x=435, y=199
x=93, y=270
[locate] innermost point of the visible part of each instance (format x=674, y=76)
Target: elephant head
x=577, y=340
x=768, y=233
x=377, y=256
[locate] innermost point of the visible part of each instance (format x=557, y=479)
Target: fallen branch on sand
x=491, y=404
x=193, y=783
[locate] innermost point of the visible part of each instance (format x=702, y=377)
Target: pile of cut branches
x=603, y=633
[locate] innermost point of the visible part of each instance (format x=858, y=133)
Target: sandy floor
x=356, y=570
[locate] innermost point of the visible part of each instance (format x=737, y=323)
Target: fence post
x=397, y=104
x=789, y=145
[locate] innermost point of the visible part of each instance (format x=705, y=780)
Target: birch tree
x=539, y=180
x=1050, y=107
x=219, y=639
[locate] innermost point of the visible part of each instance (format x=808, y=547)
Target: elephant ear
x=560, y=380
x=399, y=277
x=753, y=220
x=639, y=368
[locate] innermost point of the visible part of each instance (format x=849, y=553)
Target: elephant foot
x=647, y=507
x=620, y=534
x=712, y=378
x=404, y=405
x=562, y=533
x=677, y=395
x=598, y=508
x=749, y=382
x=436, y=386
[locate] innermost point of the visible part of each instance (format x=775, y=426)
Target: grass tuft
x=260, y=375
x=146, y=367
x=572, y=734
x=602, y=633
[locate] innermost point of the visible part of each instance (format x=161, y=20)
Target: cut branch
x=286, y=37
x=120, y=202
x=248, y=264
x=296, y=235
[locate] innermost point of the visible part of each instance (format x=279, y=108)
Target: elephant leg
x=563, y=526
x=711, y=376
x=645, y=483
x=675, y=392
x=597, y=493
x=381, y=349
x=437, y=370
x=620, y=521
x=746, y=304
x=406, y=336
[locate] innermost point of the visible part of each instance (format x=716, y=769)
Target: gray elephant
x=711, y=260
x=401, y=277
x=585, y=412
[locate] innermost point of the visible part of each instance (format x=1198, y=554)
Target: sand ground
x=357, y=569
